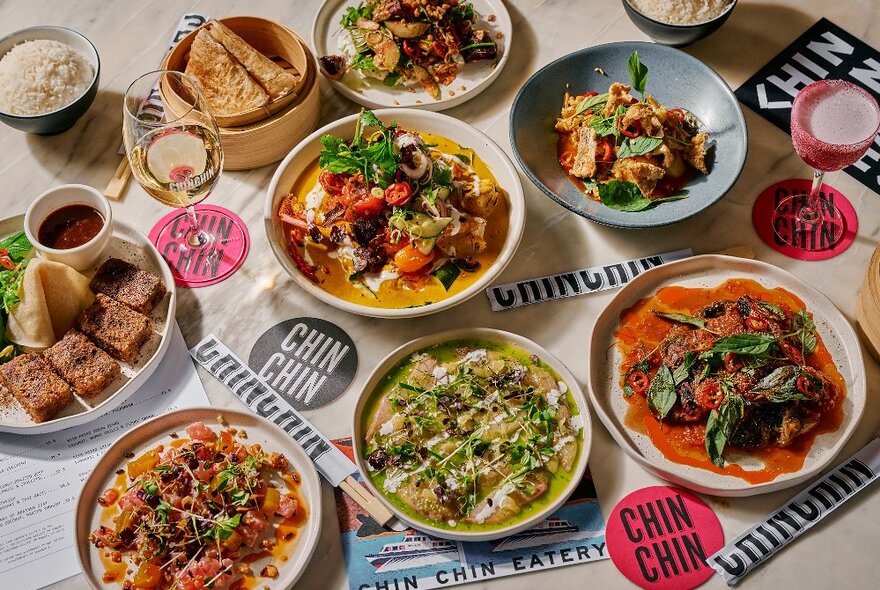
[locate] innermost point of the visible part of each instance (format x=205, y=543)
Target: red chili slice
x=791, y=353
x=638, y=381
x=5, y=260
x=411, y=49
x=632, y=130
x=676, y=114
x=398, y=194
x=732, y=362
x=307, y=269
x=806, y=386
x=708, y=394
x=605, y=151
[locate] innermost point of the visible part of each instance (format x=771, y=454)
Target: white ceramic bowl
x=491, y=334
x=307, y=152
x=603, y=361
x=153, y=432
x=82, y=257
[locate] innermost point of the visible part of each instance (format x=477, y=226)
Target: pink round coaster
x=660, y=536
x=765, y=205
x=211, y=263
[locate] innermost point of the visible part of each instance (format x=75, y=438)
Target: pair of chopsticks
x=117, y=184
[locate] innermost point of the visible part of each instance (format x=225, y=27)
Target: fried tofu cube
x=114, y=327
x=41, y=392
x=585, y=160
x=129, y=285
x=82, y=364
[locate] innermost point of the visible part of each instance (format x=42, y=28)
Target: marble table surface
x=131, y=38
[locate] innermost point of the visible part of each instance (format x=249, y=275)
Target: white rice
x=681, y=12
x=42, y=76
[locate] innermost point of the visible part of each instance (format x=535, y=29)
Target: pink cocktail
x=833, y=123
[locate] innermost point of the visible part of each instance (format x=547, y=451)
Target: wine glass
x=174, y=147
x=833, y=123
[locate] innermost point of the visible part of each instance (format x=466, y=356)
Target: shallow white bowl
x=149, y=434
x=603, y=360
x=414, y=120
x=490, y=334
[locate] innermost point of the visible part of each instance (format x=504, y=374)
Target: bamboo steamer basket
x=255, y=139
x=868, y=307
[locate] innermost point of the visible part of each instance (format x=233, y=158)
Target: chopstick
x=366, y=500
x=117, y=184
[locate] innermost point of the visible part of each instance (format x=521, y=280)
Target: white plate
x=414, y=120
x=493, y=335
x=128, y=244
x=604, y=360
x=474, y=77
x=153, y=432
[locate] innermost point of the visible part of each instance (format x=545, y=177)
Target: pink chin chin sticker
x=659, y=538
x=841, y=228
x=223, y=253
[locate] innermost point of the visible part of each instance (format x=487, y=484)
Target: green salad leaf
x=622, y=195
x=591, y=102
x=638, y=73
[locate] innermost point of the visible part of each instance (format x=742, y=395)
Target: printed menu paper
x=255, y=393
x=42, y=475
x=379, y=559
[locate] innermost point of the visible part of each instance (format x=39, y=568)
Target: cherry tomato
x=391, y=247
x=756, y=323
x=332, y=183
x=398, y=194
x=633, y=130
x=5, y=260
x=638, y=381
x=708, y=394
x=791, y=353
x=368, y=207
x=409, y=259
x=732, y=362
x=806, y=386
x=109, y=497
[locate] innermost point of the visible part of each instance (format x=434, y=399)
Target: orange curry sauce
x=566, y=149
x=640, y=331
x=286, y=534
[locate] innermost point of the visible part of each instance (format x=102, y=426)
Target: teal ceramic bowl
x=675, y=79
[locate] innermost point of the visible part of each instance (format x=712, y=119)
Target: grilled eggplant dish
x=738, y=368
x=629, y=153
x=472, y=436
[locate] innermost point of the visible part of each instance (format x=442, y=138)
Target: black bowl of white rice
x=48, y=79
x=678, y=22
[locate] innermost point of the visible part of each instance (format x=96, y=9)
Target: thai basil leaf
x=447, y=274
x=638, y=146
x=781, y=385
x=661, y=394
x=621, y=109
x=806, y=331
x=721, y=424
x=591, y=102
x=771, y=309
x=683, y=371
x=603, y=127
x=623, y=195
x=748, y=344
x=638, y=73
x=682, y=318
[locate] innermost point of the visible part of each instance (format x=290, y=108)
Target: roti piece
x=225, y=83
x=52, y=296
x=274, y=79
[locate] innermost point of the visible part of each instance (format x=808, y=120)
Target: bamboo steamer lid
x=261, y=136
x=868, y=306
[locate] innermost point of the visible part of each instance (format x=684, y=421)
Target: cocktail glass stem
x=195, y=237
x=811, y=213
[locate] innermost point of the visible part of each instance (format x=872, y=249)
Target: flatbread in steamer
x=225, y=83
x=274, y=79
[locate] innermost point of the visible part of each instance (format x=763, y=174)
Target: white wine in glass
x=174, y=153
